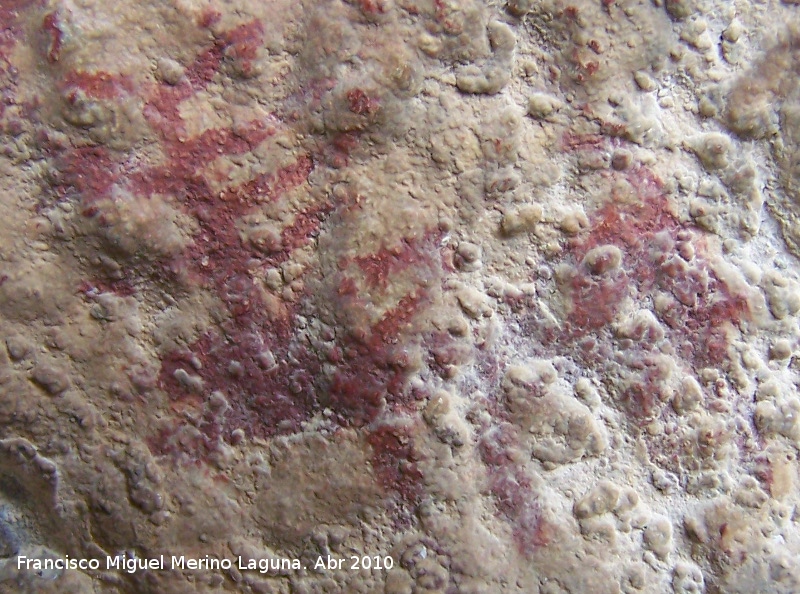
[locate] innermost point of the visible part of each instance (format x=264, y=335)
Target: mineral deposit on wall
x=491, y=296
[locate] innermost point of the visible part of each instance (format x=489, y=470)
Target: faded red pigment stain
x=371, y=367
x=702, y=302
x=584, y=66
x=381, y=266
x=572, y=142
x=360, y=103
x=89, y=172
x=447, y=17
x=9, y=23
x=446, y=354
x=663, y=259
x=375, y=358
x=337, y=153
x=238, y=46
x=274, y=377
x=241, y=46
x=764, y=471
x=266, y=377
x=511, y=488
x=372, y=7
x=98, y=85
x=650, y=238
x=52, y=27
x=92, y=290
x=209, y=17
x=10, y=32
x=259, y=372
x=597, y=298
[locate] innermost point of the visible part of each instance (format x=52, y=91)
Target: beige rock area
x=399, y=296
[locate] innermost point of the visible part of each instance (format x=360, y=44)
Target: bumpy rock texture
x=507, y=292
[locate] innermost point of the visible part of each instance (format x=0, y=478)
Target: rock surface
x=502, y=297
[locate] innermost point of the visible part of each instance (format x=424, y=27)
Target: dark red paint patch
x=52, y=27
x=387, y=262
x=254, y=359
x=239, y=45
x=98, y=85
x=259, y=368
x=88, y=172
x=361, y=103
x=372, y=365
x=395, y=460
x=303, y=229
x=242, y=45
x=265, y=377
x=372, y=7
